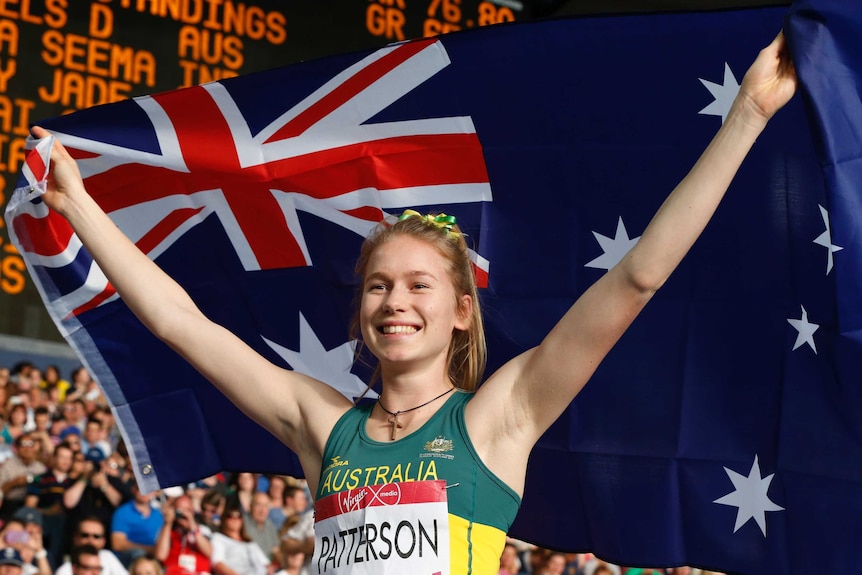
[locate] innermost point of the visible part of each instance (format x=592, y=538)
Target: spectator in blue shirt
x=135, y=526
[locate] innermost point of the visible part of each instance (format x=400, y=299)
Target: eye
x=420, y=286
x=377, y=287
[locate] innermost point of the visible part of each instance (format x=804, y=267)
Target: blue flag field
x=723, y=430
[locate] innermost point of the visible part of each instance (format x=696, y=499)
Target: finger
x=39, y=132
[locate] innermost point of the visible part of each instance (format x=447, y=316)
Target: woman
x=52, y=380
x=275, y=491
x=233, y=551
x=242, y=487
x=16, y=420
x=419, y=316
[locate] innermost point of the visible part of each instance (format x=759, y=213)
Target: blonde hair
x=467, y=349
x=157, y=566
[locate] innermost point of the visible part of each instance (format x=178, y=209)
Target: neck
x=392, y=417
x=402, y=391
x=410, y=402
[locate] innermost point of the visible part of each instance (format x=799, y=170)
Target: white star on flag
x=805, y=330
x=723, y=94
x=825, y=240
x=750, y=497
x=614, y=249
x=331, y=367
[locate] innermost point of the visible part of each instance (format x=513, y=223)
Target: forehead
x=406, y=255
x=87, y=559
x=91, y=526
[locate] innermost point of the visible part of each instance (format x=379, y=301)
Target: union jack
x=322, y=156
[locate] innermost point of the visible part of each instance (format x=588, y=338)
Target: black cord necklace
x=393, y=415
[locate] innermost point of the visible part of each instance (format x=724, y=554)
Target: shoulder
x=257, y=551
x=219, y=538
x=355, y=414
x=110, y=564
x=348, y=424
x=121, y=514
x=462, y=398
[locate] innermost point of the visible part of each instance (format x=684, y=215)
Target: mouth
x=397, y=329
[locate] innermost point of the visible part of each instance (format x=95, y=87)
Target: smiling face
x=409, y=307
x=467, y=351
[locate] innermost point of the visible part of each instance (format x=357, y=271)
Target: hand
x=169, y=512
x=190, y=517
x=98, y=480
x=64, y=180
x=771, y=80
x=35, y=542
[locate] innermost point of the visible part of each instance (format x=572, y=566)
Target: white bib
x=387, y=529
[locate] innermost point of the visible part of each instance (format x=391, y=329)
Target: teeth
x=399, y=329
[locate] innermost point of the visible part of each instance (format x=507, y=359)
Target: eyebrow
x=412, y=274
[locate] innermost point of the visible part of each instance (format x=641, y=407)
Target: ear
x=465, y=313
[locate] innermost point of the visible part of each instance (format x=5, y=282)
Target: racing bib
x=387, y=529
x=188, y=562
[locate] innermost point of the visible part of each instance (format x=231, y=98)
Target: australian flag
x=724, y=429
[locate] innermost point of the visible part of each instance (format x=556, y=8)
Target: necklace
x=393, y=415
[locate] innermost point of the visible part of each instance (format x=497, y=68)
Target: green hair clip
x=440, y=221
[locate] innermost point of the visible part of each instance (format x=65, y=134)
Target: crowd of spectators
x=520, y=558
x=69, y=503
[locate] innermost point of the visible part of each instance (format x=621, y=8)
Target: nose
x=395, y=301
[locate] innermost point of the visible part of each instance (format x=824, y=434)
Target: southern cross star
x=750, y=497
x=614, y=248
x=805, y=330
x=723, y=94
x=331, y=367
x=825, y=240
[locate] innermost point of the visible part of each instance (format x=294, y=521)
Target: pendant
x=396, y=425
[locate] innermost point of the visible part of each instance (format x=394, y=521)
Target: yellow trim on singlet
x=468, y=558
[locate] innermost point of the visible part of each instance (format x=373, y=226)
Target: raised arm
x=297, y=409
x=163, y=539
x=519, y=402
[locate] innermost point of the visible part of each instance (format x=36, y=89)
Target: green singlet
x=481, y=506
